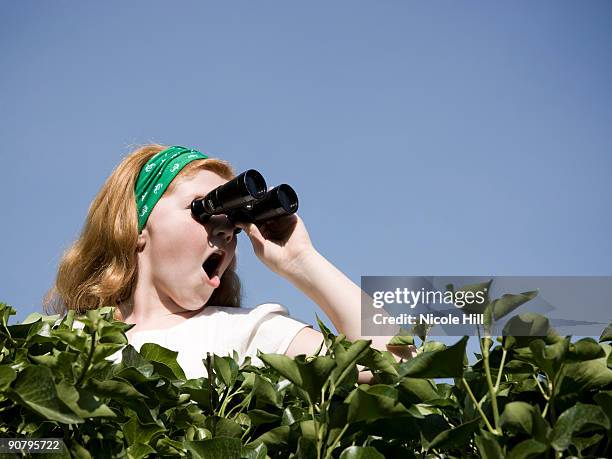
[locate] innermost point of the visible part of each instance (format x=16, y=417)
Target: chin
x=194, y=303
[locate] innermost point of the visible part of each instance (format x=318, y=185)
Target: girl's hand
x=280, y=243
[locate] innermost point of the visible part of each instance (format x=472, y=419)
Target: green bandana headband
x=156, y=175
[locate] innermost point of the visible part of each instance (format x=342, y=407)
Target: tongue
x=215, y=281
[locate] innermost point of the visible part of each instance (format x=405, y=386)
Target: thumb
x=255, y=236
x=252, y=231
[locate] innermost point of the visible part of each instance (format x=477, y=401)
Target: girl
x=174, y=278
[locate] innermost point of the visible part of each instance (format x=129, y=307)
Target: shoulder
x=246, y=315
x=268, y=308
x=270, y=329
x=266, y=318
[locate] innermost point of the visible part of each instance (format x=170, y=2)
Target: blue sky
x=423, y=138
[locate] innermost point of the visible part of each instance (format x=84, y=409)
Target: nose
x=222, y=228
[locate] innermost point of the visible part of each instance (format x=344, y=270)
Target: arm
x=339, y=298
x=284, y=246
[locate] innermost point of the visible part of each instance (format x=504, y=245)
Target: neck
x=149, y=308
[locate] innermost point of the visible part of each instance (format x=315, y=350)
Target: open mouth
x=212, y=264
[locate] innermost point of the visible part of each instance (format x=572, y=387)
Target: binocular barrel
x=280, y=200
x=247, y=187
x=245, y=199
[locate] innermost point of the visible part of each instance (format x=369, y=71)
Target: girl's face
x=183, y=260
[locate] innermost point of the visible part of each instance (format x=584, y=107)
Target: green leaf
x=378, y=361
x=222, y=369
x=5, y=312
x=155, y=353
x=113, y=334
x=284, y=365
x=431, y=346
x=265, y=393
x=83, y=402
x=196, y=433
x=377, y=402
x=292, y=414
x=251, y=451
x=259, y=417
x=202, y=396
x=579, y=418
x=139, y=451
x=35, y=388
x=401, y=340
x=446, y=363
x=244, y=421
x=606, y=335
x=585, y=349
x=274, y=438
x=346, y=360
x=314, y=373
x=226, y=369
x=36, y=316
x=306, y=449
x=509, y=302
x=528, y=449
x=418, y=390
x=421, y=330
x=215, y=448
x=335, y=420
x=455, y=437
x=307, y=429
x=61, y=362
x=518, y=417
x=520, y=329
x=104, y=350
x=549, y=357
x=328, y=336
x=578, y=377
x=488, y=446
x=75, y=339
x=114, y=389
x=223, y=427
x=7, y=376
x=361, y=452
x=604, y=400
x=309, y=375
x=138, y=432
x=473, y=306
x=131, y=358
x=584, y=442
x=166, y=446
x=79, y=451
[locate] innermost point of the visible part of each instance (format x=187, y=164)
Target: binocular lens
x=287, y=198
x=280, y=200
x=246, y=199
x=246, y=187
x=238, y=192
x=254, y=183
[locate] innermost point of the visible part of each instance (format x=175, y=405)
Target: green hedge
x=524, y=397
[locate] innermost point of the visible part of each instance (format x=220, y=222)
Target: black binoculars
x=246, y=199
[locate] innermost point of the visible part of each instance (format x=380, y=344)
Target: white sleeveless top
x=221, y=330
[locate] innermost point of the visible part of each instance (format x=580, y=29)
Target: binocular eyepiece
x=246, y=199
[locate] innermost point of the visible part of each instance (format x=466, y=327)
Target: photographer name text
x=428, y=319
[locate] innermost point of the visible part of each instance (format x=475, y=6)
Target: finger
x=279, y=228
x=252, y=231
x=246, y=227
